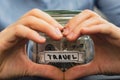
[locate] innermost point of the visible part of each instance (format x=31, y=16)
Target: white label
x=61, y=57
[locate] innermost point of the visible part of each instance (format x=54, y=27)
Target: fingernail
x=58, y=32
x=66, y=31
x=41, y=37
x=71, y=35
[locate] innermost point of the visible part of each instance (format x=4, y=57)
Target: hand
x=13, y=57
x=106, y=37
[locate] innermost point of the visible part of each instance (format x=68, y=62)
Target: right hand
x=14, y=61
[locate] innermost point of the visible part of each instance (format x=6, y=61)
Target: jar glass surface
x=63, y=54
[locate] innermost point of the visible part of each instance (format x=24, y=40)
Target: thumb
x=81, y=71
x=46, y=71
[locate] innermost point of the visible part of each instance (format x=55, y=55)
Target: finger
x=84, y=15
x=42, y=26
x=45, y=71
x=25, y=32
x=102, y=28
x=44, y=16
x=17, y=33
x=87, y=23
x=81, y=71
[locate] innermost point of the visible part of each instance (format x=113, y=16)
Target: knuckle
x=97, y=19
x=17, y=28
x=105, y=28
x=26, y=19
x=29, y=18
x=89, y=12
x=34, y=11
x=108, y=26
x=100, y=20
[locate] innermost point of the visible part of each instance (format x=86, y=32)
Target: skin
x=14, y=61
x=13, y=58
x=106, y=37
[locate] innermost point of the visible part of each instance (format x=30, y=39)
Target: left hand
x=106, y=37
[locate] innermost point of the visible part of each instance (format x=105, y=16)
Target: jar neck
x=62, y=16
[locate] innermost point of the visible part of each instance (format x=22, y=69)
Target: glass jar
x=63, y=54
